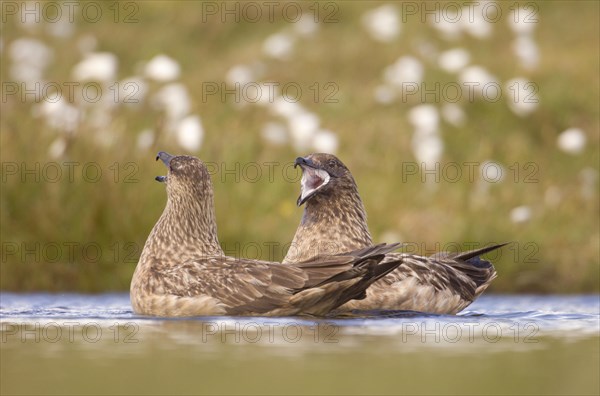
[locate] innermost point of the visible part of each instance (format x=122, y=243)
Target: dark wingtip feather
x=471, y=254
x=479, y=262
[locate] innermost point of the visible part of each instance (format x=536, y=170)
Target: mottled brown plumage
x=183, y=271
x=335, y=220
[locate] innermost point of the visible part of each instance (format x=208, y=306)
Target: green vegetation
x=85, y=232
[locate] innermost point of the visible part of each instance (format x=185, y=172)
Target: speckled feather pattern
x=183, y=271
x=335, y=220
x=316, y=237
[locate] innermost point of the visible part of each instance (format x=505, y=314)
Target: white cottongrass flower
x=424, y=118
x=521, y=96
x=31, y=75
x=520, y=214
x=174, y=100
x=406, y=69
x=285, y=108
x=190, y=133
x=572, y=141
x=59, y=115
x=454, y=60
x=480, y=80
x=275, y=133
x=279, y=46
x=523, y=20
x=325, y=141
x=453, y=114
x=427, y=147
x=382, y=23
x=29, y=59
x=162, y=68
x=57, y=147
x=132, y=90
x=473, y=20
x=145, y=139
x=239, y=74
x=384, y=94
x=306, y=26
x=526, y=51
x=303, y=127
x=96, y=66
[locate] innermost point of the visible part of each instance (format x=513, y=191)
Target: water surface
x=84, y=344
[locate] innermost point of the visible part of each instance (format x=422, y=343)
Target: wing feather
x=257, y=287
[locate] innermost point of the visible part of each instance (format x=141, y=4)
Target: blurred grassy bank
x=77, y=218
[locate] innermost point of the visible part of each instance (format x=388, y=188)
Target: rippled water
x=72, y=343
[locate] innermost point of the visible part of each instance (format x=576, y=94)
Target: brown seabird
x=335, y=220
x=183, y=271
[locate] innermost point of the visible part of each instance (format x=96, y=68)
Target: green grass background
x=557, y=250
